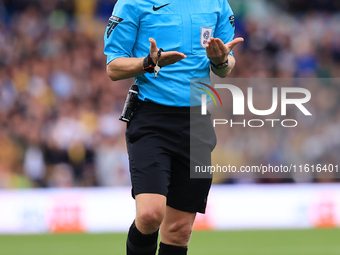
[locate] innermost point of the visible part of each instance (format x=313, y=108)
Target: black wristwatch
x=220, y=66
x=148, y=64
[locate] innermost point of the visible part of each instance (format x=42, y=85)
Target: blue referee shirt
x=176, y=25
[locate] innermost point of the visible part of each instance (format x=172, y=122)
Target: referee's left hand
x=167, y=58
x=218, y=52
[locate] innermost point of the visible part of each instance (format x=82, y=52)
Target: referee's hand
x=167, y=58
x=218, y=52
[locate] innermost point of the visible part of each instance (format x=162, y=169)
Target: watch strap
x=219, y=66
x=148, y=64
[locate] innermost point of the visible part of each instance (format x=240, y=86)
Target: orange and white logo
x=66, y=217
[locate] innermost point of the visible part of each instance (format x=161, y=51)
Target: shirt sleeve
x=225, y=29
x=121, y=32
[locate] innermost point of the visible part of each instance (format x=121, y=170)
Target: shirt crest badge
x=206, y=34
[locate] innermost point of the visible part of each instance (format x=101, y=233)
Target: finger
x=171, y=60
x=153, y=45
x=212, y=49
x=222, y=46
x=177, y=58
x=216, y=49
x=209, y=45
x=171, y=57
x=234, y=42
x=173, y=53
x=208, y=50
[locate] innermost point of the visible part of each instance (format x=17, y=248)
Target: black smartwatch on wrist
x=148, y=64
x=220, y=66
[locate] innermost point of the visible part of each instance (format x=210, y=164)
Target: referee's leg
x=143, y=233
x=176, y=230
x=152, y=212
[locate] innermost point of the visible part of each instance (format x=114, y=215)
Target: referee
x=163, y=44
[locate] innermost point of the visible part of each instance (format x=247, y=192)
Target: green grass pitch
x=266, y=242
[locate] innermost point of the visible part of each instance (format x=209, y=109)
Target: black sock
x=165, y=249
x=138, y=243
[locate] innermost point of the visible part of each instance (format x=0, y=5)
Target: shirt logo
x=232, y=20
x=206, y=33
x=160, y=7
x=113, y=22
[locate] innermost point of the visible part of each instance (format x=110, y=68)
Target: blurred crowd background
x=59, y=111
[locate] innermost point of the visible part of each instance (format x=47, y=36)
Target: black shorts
x=158, y=142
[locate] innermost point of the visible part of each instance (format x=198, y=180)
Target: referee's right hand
x=167, y=58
